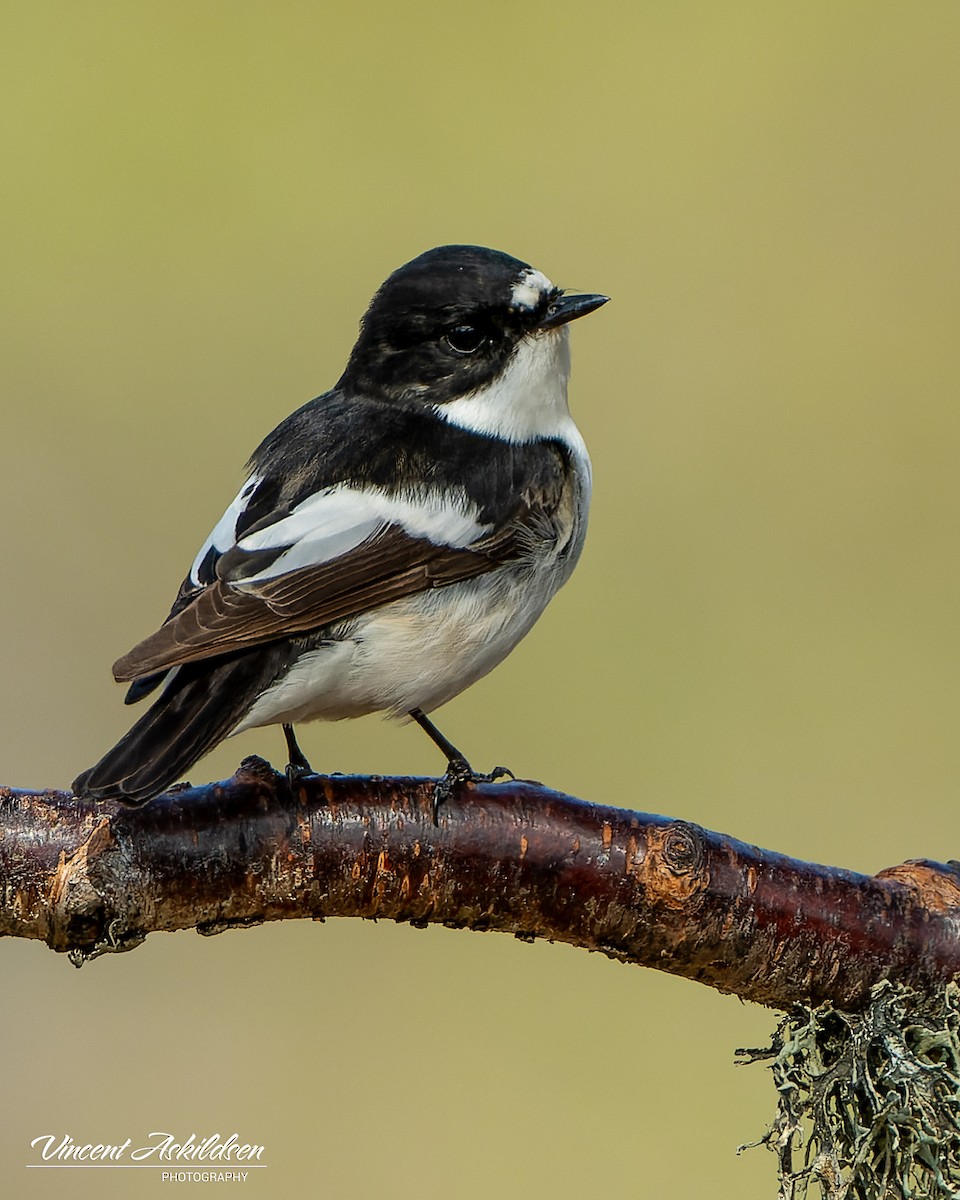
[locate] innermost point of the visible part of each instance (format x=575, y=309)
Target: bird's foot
x=298, y=768
x=296, y=773
x=458, y=772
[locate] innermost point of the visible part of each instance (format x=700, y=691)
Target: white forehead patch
x=530, y=289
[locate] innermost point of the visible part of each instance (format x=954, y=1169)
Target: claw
x=297, y=767
x=459, y=771
x=296, y=774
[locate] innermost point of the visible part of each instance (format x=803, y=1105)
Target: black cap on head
x=446, y=321
x=452, y=276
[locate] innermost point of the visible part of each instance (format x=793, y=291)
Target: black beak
x=568, y=308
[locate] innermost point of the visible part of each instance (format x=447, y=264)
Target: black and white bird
x=395, y=538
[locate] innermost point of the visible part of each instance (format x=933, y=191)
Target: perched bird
x=395, y=537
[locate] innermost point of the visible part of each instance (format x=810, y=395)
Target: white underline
x=140, y=1167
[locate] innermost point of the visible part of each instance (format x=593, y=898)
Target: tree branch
x=92, y=877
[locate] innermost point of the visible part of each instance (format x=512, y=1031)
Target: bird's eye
x=464, y=339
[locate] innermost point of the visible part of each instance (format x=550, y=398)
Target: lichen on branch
x=868, y=1101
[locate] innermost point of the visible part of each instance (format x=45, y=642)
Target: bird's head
x=458, y=321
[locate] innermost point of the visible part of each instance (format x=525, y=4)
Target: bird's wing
x=340, y=552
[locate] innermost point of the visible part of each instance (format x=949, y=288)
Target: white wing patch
x=335, y=521
x=224, y=533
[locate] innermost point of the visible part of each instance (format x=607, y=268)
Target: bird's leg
x=297, y=765
x=455, y=760
x=458, y=769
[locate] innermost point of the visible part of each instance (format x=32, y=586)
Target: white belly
x=418, y=652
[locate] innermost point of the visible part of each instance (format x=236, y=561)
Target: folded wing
x=337, y=554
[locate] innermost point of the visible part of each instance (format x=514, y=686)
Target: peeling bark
x=87, y=878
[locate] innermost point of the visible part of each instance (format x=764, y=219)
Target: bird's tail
x=201, y=703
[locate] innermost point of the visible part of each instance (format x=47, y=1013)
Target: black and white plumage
x=395, y=538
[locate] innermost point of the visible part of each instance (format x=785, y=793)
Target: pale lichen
x=868, y=1101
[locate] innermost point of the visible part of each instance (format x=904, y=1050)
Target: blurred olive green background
x=198, y=200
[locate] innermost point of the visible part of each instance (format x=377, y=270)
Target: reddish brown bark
x=516, y=857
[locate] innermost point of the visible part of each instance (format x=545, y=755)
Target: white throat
x=528, y=400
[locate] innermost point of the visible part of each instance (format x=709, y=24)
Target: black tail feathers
x=200, y=705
